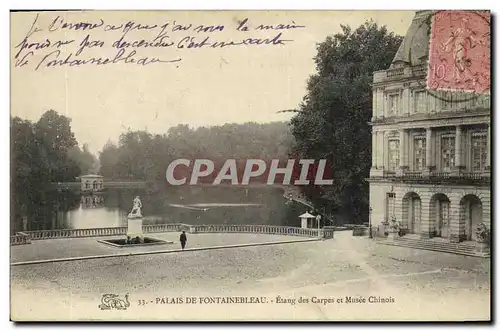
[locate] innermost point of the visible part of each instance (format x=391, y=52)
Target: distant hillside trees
x=140, y=155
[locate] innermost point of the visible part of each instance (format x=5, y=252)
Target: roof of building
x=91, y=176
x=414, y=49
x=307, y=215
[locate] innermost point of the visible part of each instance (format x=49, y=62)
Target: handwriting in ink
x=26, y=45
x=24, y=60
x=131, y=26
x=191, y=42
x=163, y=32
x=59, y=24
x=112, y=27
x=33, y=29
x=87, y=43
x=242, y=26
x=53, y=59
x=209, y=28
x=157, y=42
x=280, y=26
x=52, y=53
x=179, y=27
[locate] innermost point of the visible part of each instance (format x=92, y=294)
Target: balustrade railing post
x=154, y=228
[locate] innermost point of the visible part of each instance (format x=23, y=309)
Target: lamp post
x=318, y=219
x=370, y=223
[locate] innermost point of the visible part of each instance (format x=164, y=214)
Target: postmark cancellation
x=459, y=52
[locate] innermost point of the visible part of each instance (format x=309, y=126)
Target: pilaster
x=403, y=152
x=381, y=150
x=386, y=151
x=374, y=150
x=459, y=164
x=429, y=149
x=406, y=99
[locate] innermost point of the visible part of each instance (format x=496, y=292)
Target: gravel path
x=80, y=247
x=418, y=285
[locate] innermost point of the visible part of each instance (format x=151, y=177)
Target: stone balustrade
x=395, y=72
x=76, y=233
x=25, y=237
x=398, y=73
x=20, y=238
x=328, y=232
x=264, y=229
x=170, y=227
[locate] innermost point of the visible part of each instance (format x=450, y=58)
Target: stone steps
x=431, y=245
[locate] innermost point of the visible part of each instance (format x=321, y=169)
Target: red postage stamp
x=459, y=51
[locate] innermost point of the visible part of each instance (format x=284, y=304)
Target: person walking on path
x=183, y=239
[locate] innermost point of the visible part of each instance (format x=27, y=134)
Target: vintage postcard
x=250, y=166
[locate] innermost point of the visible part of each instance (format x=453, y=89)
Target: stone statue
x=136, y=210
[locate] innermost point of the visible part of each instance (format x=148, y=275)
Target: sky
x=203, y=86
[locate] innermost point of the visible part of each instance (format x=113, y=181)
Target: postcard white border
x=178, y=5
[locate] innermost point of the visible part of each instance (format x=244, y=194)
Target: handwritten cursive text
x=53, y=60
x=74, y=42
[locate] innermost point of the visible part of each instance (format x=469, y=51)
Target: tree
x=108, y=159
x=55, y=138
x=83, y=158
x=332, y=121
x=39, y=155
x=24, y=159
x=142, y=156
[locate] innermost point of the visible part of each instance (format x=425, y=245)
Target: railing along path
x=25, y=237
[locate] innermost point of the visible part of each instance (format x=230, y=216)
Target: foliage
x=86, y=161
x=332, y=122
x=140, y=155
x=46, y=150
x=41, y=152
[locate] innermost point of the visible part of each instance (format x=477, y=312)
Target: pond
x=191, y=205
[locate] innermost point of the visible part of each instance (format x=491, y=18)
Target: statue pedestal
x=482, y=247
x=392, y=235
x=134, y=227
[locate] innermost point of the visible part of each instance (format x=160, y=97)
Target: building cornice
x=432, y=120
x=432, y=182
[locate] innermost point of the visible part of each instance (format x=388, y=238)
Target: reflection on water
x=91, y=201
x=92, y=213
x=193, y=205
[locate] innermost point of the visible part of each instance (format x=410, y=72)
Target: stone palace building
x=431, y=150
